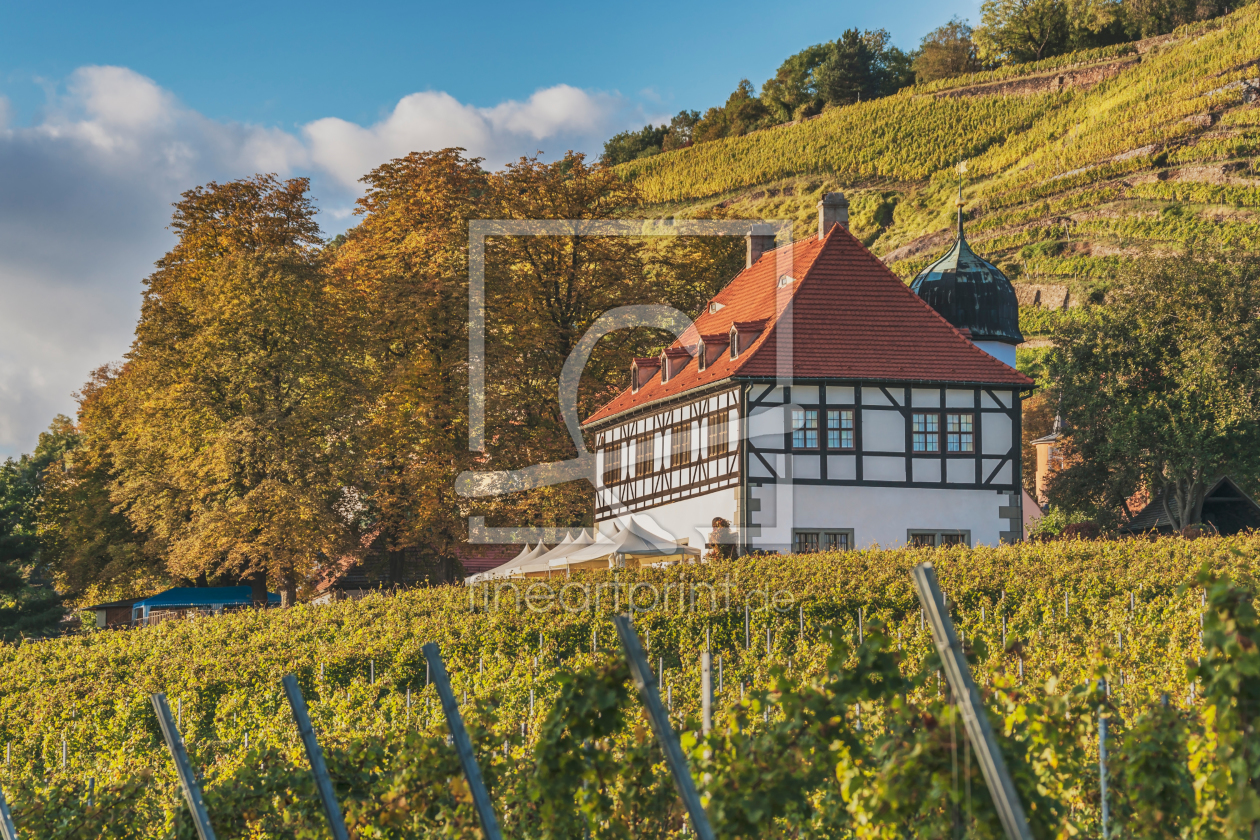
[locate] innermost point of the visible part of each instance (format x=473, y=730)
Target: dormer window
x=743, y=334
x=716, y=307
x=711, y=348
x=641, y=370
x=786, y=280
x=673, y=360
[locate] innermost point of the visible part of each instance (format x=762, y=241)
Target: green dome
x=969, y=291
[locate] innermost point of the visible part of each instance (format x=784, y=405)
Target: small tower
x=1049, y=458
x=973, y=294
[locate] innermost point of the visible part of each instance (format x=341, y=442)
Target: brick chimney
x=760, y=239
x=832, y=210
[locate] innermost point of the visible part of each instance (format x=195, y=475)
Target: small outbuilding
x=189, y=601
x=1226, y=508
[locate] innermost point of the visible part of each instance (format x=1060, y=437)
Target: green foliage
x=788, y=760
x=1160, y=388
x=28, y=608
x=628, y=145
x=1053, y=521
x=1225, y=756
x=946, y=52
x=899, y=137
x=1154, y=787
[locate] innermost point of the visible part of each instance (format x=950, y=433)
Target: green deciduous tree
x=948, y=50
x=27, y=606
x=1022, y=30
x=1160, y=388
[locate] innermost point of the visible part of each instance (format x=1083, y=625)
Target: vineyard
x=831, y=718
x=1159, y=156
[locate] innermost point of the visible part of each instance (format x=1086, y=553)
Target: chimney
x=760, y=239
x=832, y=210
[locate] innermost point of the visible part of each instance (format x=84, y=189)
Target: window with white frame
x=840, y=428
x=804, y=428
x=925, y=432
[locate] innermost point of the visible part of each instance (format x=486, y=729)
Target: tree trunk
x=288, y=590
x=257, y=582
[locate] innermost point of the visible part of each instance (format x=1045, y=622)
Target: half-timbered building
x=817, y=402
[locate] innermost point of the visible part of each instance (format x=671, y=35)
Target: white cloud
x=434, y=120
x=87, y=188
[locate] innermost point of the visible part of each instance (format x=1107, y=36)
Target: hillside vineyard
x=1069, y=173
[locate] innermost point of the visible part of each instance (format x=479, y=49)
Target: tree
x=1160, y=388
x=742, y=113
x=405, y=267
x=233, y=407
x=90, y=547
x=948, y=50
x=1014, y=31
x=847, y=75
x=793, y=92
x=28, y=607
x=629, y=145
x=681, y=129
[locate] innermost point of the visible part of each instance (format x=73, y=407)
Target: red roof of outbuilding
x=851, y=318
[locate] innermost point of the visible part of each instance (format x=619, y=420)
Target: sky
x=109, y=111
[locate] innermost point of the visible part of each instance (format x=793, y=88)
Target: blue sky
x=108, y=111
x=285, y=64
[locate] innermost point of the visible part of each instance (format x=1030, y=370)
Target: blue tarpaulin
x=201, y=597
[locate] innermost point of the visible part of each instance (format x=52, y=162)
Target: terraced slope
x=1074, y=165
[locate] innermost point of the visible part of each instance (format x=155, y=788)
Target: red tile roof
x=851, y=318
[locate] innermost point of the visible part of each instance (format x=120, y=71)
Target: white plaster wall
x=925, y=398
x=1004, y=353
x=765, y=426
x=995, y=434
x=877, y=515
x=883, y=431
x=690, y=519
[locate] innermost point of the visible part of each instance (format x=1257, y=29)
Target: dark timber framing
x=899, y=400
x=720, y=472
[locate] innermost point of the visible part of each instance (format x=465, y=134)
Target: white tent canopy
x=512, y=566
x=633, y=542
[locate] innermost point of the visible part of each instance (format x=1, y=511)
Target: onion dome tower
x=973, y=294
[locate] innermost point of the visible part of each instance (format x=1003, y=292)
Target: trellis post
x=646, y=683
x=7, y=829
x=975, y=719
x=332, y=809
x=463, y=746
x=187, y=778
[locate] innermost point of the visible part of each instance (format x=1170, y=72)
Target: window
x=840, y=429
x=680, y=445
x=935, y=539
x=806, y=542
x=959, y=434
x=837, y=541
x=612, y=464
x=926, y=432
x=719, y=434
x=804, y=428
x=821, y=539
x=644, y=454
